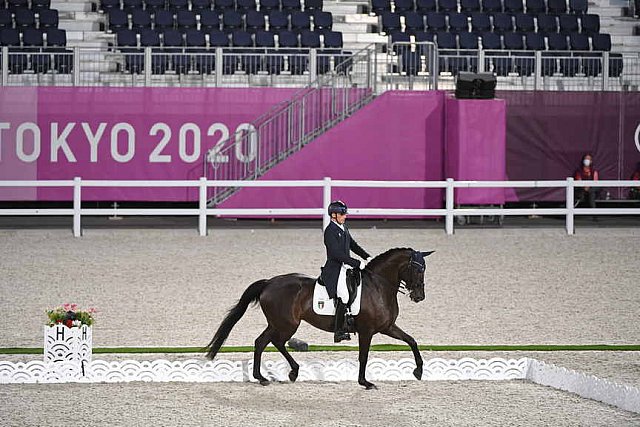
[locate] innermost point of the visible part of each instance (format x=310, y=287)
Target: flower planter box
x=64, y=344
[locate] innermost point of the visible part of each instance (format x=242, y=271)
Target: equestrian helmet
x=337, y=207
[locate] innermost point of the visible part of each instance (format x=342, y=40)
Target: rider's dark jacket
x=339, y=243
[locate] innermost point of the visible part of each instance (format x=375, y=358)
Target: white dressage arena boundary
x=496, y=369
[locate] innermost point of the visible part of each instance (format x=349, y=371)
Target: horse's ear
x=426, y=254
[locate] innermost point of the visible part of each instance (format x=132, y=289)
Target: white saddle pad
x=323, y=305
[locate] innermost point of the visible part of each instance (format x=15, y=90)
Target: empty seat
x=300, y=21
x=491, y=41
x=218, y=39
x=436, y=22
x=198, y=5
x=290, y=5
x=480, y=22
x=131, y=4
x=525, y=23
x=177, y=5
x=494, y=61
x=162, y=20
x=591, y=64
x=56, y=37
x=38, y=5
x=133, y=56
x=107, y=5
x=536, y=7
x=62, y=58
x=534, y=41
x=17, y=62
x=6, y=20
x=173, y=45
x=244, y=6
x=254, y=21
x=447, y=5
x=232, y=21
x=209, y=20
x=547, y=24
x=17, y=4
x=410, y=63
x=278, y=21
x=118, y=20
x=150, y=38
x=241, y=39
x=468, y=41
x=402, y=6
x=248, y=58
x=602, y=43
x=568, y=66
x=513, y=6
x=513, y=41
x=288, y=39
x=223, y=5
x=413, y=23
x=186, y=19
x=502, y=23
x=153, y=5
x=322, y=21
x=557, y=7
x=400, y=42
x=522, y=62
x=140, y=19
x=568, y=24
x=24, y=18
x=33, y=38
x=426, y=6
x=458, y=23
x=390, y=22
x=312, y=5
x=491, y=6
x=195, y=38
x=267, y=6
x=273, y=62
x=590, y=24
x=380, y=6
x=469, y=6
x=126, y=38
x=578, y=7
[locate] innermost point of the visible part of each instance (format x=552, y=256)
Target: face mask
x=586, y=162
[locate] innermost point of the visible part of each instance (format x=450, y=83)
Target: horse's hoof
x=367, y=385
x=264, y=382
x=293, y=376
x=418, y=373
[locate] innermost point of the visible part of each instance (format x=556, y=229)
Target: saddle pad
x=323, y=305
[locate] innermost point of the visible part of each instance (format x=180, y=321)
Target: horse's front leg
x=364, y=344
x=395, y=332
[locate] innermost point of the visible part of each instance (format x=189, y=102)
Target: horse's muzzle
x=416, y=296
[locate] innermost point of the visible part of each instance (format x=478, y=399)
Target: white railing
x=202, y=211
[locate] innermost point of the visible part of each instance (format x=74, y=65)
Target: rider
x=339, y=243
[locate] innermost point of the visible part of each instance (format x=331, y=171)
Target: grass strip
x=377, y=347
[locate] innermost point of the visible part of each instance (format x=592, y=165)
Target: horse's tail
x=251, y=294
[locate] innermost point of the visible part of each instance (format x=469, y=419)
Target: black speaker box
x=475, y=86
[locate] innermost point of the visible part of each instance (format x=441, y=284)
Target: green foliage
x=70, y=315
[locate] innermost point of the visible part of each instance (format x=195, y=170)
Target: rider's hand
x=362, y=265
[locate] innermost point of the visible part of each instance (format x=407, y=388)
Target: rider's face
x=341, y=218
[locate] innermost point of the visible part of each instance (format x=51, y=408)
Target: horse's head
x=413, y=274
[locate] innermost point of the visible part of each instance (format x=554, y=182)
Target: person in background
x=586, y=172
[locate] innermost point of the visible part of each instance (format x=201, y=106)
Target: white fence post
x=326, y=199
x=77, y=206
x=202, y=216
x=449, y=206
x=570, y=201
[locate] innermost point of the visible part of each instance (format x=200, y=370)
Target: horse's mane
x=380, y=259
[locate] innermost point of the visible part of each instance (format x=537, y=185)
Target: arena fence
x=202, y=211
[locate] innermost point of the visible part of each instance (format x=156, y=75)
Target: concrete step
x=72, y=7
x=79, y=25
x=352, y=28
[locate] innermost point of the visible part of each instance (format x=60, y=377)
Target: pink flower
x=74, y=307
x=66, y=307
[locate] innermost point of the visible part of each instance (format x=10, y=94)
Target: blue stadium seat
x=223, y=5
x=38, y=5
x=590, y=24
x=502, y=65
x=568, y=24
x=536, y=7
x=449, y=59
x=118, y=20
x=249, y=58
x=436, y=22
x=195, y=38
x=219, y=39
x=312, y=5
x=56, y=37
x=290, y=5
x=411, y=63
x=232, y=21
x=173, y=46
x=62, y=58
x=310, y=40
x=126, y=38
x=602, y=43
x=480, y=22
x=525, y=23
x=24, y=18
x=399, y=37
x=380, y=6
x=278, y=21
x=390, y=22
x=458, y=23
x=128, y=44
x=17, y=62
x=578, y=7
x=469, y=6
x=33, y=40
x=300, y=21
x=491, y=6
x=513, y=41
x=513, y=6
x=273, y=62
x=209, y=20
x=503, y=23
x=162, y=20
x=199, y=5
x=468, y=43
x=107, y=5
x=523, y=63
x=265, y=39
x=241, y=39
x=186, y=19
x=244, y=6
x=288, y=39
x=322, y=21
x=591, y=65
x=6, y=20
x=333, y=40
x=153, y=5
x=150, y=38
x=131, y=4
x=558, y=46
x=491, y=41
x=229, y=60
x=426, y=6
x=414, y=23
x=547, y=24
x=140, y=19
x=267, y=6
x=534, y=41
x=447, y=5
x=402, y=6
x=557, y=7
x=17, y=4
x=254, y=21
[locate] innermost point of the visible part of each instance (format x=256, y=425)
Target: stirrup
x=341, y=336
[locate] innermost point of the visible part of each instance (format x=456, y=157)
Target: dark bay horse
x=286, y=300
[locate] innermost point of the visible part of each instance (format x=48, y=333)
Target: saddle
x=323, y=305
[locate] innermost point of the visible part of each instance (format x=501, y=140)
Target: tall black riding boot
x=340, y=334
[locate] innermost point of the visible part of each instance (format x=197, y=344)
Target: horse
x=287, y=299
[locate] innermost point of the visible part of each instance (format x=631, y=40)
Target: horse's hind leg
x=279, y=342
x=260, y=344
